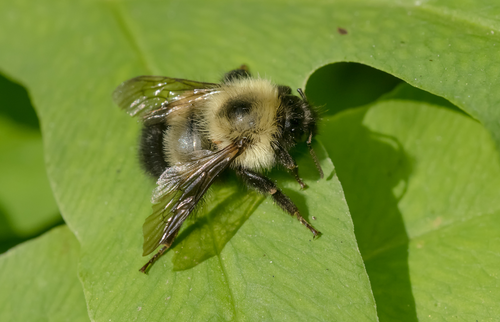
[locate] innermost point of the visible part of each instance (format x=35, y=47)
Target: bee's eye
x=293, y=100
x=293, y=119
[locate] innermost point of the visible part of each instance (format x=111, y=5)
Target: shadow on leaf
x=10, y=237
x=374, y=171
x=212, y=229
x=16, y=104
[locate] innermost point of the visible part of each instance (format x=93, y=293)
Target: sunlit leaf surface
x=39, y=280
x=432, y=217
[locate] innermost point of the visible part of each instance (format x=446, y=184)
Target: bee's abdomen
x=151, y=149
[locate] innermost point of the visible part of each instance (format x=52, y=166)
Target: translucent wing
x=154, y=97
x=179, y=190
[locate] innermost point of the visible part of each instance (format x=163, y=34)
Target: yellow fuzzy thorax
x=260, y=131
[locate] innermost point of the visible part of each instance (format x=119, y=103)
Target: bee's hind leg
x=266, y=186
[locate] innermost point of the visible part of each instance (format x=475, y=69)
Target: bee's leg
x=239, y=73
x=285, y=159
x=266, y=186
x=295, y=171
x=313, y=155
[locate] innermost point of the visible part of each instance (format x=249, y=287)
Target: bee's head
x=298, y=121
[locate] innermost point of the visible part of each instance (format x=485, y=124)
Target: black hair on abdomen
x=151, y=150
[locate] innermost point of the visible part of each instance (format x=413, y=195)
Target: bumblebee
x=193, y=131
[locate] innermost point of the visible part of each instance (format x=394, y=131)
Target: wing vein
x=180, y=189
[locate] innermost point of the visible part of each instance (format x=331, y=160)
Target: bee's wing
x=153, y=97
x=179, y=190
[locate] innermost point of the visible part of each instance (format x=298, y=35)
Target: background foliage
x=22, y=171
x=409, y=208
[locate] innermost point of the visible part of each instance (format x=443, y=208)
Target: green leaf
x=39, y=280
x=27, y=206
x=422, y=186
x=261, y=269
x=16, y=105
x=337, y=87
x=25, y=196
x=71, y=55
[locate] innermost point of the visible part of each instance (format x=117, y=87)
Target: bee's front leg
x=285, y=159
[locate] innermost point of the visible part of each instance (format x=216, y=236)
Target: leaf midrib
x=127, y=30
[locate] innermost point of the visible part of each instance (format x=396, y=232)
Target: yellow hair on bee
x=257, y=124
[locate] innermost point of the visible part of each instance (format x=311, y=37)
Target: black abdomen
x=151, y=150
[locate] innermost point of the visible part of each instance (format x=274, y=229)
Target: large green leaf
x=422, y=184
x=71, y=55
x=39, y=280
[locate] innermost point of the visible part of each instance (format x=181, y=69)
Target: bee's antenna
x=302, y=94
